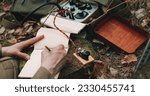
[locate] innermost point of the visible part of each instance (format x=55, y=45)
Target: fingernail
x=42, y=36
x=27, y=57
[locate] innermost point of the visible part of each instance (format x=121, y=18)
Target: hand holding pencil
x=51, y=59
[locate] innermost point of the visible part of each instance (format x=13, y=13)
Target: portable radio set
x=79, y=11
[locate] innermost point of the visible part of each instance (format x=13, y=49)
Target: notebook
x=52, y=38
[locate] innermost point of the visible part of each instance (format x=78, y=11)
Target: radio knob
x=72, y=9
x=88, y=7
x=83, y=7
x=71, y=2
x=78, y=4
x=81, y=14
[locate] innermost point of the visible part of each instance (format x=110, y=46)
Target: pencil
x=47, y=48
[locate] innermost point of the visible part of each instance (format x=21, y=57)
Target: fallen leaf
x=12, y=41
x=145, y=22
x=2, y=13
x=2, y=30
x=129, y=59
x=140, y=13
x=11, y=31
x=29, y=29
x=98, y=42
x=113, y=71
x=27, y=24
x=6, y=6
x=19, y=30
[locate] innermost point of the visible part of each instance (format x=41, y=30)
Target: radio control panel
x=78, y=11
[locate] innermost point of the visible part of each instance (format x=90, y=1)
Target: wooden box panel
x=120, y=34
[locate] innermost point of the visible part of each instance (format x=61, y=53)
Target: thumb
x=23, y=55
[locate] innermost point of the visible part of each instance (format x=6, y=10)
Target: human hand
x=51, y=59
x=15, y=50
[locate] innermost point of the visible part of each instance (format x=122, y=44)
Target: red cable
x=54, y=22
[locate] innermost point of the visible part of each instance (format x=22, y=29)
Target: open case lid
x=120, y=33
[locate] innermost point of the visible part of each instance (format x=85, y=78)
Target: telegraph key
x=83, y=56
x=79, y=11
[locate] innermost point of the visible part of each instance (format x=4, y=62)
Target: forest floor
x=115, y=64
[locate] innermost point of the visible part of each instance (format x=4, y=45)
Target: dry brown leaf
x=27, y=24
x=145, y=22
x=12, y=41
x=11, y=31
x=2, y=30
x=29, y=29
x=113, y=71
x=2, y=13
x=19, y=30
x=129, y=58
x=6, y=6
